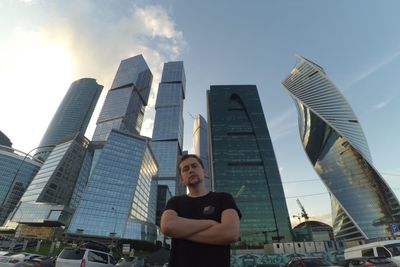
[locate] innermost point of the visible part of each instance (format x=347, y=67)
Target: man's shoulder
x=177, y=198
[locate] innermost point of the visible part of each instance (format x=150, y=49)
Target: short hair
x=186, y=156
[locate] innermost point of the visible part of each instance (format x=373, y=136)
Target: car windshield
x=316, y=262
x=72, y=254
x=394, y=249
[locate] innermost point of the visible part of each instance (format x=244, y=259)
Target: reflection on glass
x=363, y=205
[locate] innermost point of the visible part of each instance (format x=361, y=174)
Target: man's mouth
x=193, y=176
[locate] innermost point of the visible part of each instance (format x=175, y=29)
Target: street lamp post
x=113, y=234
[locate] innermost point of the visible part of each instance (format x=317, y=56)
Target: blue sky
x=45, y=45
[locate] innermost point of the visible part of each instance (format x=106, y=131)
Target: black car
x=369, y=262
x=308, y=262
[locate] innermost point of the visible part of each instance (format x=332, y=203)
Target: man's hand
x=178, y=227
x=222, y=233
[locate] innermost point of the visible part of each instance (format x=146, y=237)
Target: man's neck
x=197, y=191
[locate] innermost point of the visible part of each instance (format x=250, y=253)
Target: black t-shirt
x=186, y=253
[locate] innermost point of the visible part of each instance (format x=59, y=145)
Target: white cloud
x=372, y=69
x=147, y=127
x=283, y=125
x=157, y=22
x=382, y=104
x=93, y=38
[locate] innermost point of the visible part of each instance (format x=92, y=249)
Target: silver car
x=14, y=260
x=84, y=257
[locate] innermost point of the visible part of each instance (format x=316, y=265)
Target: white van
x=388, y=249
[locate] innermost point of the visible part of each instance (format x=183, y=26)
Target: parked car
x=308, y=262
x=370, y=262
x=84, y=257
x=14, y=260
x=130, y=262
x=42, y=261
x=6, y=253
x=387, y=249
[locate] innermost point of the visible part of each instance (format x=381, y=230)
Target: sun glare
x=37, y=72
x=43, y=62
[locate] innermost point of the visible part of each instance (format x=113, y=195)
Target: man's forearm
x=222, y=233
x=215, y=235
x=179, y=227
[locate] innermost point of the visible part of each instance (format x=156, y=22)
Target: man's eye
x=185, y=169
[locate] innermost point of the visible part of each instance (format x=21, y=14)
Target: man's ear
x=205, y=172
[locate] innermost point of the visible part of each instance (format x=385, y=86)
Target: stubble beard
x=194, y=180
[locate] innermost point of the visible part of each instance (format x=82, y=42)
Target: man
x=202, y=224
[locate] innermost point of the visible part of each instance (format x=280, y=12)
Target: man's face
x=191, y=172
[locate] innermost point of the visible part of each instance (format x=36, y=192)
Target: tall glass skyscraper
x=167, y=140
x=73, y=114
x=363, y=205
x=16, y=171
x=119, y=199
x=46, y=201
x=200, y=144
x=243, y=163
x=124, y=106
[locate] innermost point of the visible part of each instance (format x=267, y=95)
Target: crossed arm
x=202, y=231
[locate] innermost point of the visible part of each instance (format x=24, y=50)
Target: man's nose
x=191, y=169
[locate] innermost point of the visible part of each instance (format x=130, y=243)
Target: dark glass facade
x=16, y=172
x=124, y=106
x=73, y=114
x=363, y=205
x=243, y=163
x=163, y=195
x=167, y=136
x=4, y=140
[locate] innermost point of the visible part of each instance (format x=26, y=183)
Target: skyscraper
x=167, y=140
x=16, y=171
x=46, y=201
x=73, y=114
x=124, y=106
x=200, y=144
x=4, y=140
x=363, y=205
x=119, y=199
x=243, y=163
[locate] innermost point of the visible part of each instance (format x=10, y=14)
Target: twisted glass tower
x=363, y=205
